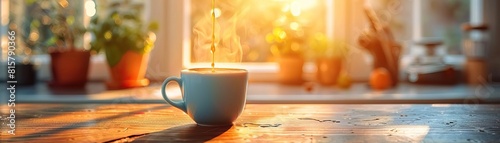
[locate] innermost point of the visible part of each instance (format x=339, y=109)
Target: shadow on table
x=76, y=125
x=185, y=133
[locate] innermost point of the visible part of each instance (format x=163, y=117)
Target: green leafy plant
x=324, y=47
x=122, y=30
x=66, y=31
x=34, y=33
x=285, y=42
x=45, y=23
x=288, y=36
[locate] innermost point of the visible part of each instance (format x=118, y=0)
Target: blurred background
x=132, y=43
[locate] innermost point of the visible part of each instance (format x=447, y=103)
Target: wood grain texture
x=258, y=123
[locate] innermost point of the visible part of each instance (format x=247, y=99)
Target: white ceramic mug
x=211, y=98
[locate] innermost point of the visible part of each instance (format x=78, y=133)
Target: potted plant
x=287, y=45
x=69, y=64
x=30, y=36
x=329, y=55
x=25, y=70
x=126, y=43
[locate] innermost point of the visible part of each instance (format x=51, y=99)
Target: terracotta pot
x=328, y=70
x=290, y=70
x=130, y=71
x=69, y=68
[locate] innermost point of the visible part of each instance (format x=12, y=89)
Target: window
x=444, y=19
x=31, y=19
x=409, y=20
x=341, y=19
x=412, y=20
x=32, y=22
x=247, y=27
x=254, y=22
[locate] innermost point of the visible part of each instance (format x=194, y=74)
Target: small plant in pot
x=25, y=70
x=329, y=55
x=69, y=64
x=287, y=45
x=30, y=36
x=121, y=34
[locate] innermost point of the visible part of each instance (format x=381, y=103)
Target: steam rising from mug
x=227, y=42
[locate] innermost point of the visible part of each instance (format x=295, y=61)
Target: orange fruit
x=344, y=81
x=380, y=79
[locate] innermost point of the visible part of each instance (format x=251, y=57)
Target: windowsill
x=95, y=92
x=267, y=72
x=258, y=72
x=98, y=68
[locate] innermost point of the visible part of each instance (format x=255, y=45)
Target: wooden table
x=272, y=93
x=258, y=123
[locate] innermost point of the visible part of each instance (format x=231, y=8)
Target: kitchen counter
x=258, y=123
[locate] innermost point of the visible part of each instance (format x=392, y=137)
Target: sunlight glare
x=90, y=8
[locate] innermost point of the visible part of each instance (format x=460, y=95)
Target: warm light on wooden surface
x=258, y=123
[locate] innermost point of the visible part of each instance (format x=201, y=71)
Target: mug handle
x=178, y=104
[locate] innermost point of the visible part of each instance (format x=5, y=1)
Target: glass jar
x=475, y=49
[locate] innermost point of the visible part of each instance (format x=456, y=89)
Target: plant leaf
x=113, y=55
